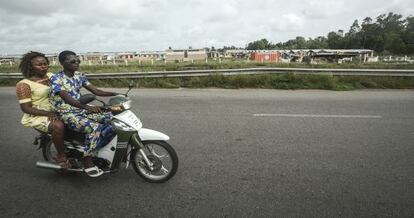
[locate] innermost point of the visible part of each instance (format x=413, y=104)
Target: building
x=339, y=55
x=150, y=55
x=265, y=56
x=236, y=53
x=185, y=54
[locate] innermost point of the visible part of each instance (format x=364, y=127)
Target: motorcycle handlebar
x=111, y=108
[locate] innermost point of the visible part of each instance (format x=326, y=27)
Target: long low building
x=185, y=54
x=313, y=55
x=282, y=55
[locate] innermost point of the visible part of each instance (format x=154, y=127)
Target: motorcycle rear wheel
x=49, y=152
x=162, y=155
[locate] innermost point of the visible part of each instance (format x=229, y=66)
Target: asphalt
x=243, y=153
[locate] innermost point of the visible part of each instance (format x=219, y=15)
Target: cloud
x=28, y=7
x=401, y=6
x=319, y=9
x=226, y=12
x=101, y=25
x=287, y=23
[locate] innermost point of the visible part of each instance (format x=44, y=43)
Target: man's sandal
x=93, y=171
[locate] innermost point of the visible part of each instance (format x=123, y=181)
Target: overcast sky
x=51, y=26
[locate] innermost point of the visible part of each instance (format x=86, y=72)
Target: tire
x=48, y=150
x=162, y=155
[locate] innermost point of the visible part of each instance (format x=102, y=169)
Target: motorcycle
x=152, y=157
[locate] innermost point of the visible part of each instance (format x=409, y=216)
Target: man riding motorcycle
x=91, y=120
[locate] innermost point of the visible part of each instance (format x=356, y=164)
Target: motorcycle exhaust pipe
x=54, y=166
x=48, y=165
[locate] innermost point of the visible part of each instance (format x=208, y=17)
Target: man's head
x=69, y=60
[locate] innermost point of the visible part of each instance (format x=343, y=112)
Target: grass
x=225, y=64
x=266, y=81
x=270, y=81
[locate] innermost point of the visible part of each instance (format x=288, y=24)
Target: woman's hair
x=25, y=65
x=64, y=54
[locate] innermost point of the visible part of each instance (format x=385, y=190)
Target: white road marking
x=319, y=116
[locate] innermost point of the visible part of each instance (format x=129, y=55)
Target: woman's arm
x=99, y=92
x=29, y=109
x=24, y=95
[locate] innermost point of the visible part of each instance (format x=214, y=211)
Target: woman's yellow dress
x=40, y=100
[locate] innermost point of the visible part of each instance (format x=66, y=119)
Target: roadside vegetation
x=211, y=64
x=267, y=81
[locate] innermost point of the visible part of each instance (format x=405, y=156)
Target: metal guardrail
x=244, y=71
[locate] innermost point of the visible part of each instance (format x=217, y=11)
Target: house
x=185, y=54
x=339, y=55
x=150, y=55
x=236, y=53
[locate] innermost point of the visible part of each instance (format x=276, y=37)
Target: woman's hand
x=93, y=109
x=53, y=117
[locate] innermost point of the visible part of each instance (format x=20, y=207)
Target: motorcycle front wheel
x=163, y=157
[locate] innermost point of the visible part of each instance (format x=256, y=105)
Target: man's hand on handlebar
x=116, y=108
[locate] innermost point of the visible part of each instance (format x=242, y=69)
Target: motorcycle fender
x=44, y=140
x=152, y=135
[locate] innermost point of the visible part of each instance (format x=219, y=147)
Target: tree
x=355, y=28
x=408, y=35
x=300, y=42
x=319, y=42
x=335, y=40
x=372, y=36
x=394, y=43
x=388, y=33
x=353, y=39
x=258, y=45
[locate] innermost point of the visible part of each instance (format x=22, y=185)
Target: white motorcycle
x=151, y=156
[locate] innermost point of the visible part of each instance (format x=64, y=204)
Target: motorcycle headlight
x=126, y=105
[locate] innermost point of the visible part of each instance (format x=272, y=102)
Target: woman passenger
x=33, y=95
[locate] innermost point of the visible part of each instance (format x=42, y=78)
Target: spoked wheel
x=49, y=151
x=163, y=158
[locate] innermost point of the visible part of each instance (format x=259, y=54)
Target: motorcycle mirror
x=87, y=98
x=130, y=86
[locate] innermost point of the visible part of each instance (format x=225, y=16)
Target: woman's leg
x=57, y=130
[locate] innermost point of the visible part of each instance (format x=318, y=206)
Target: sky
x=50, y=26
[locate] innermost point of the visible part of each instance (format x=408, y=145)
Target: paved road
x=243, y=153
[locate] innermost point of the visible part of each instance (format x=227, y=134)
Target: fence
x=244, y=71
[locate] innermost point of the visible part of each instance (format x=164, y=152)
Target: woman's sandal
x=93, y=171
x=62, y=161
